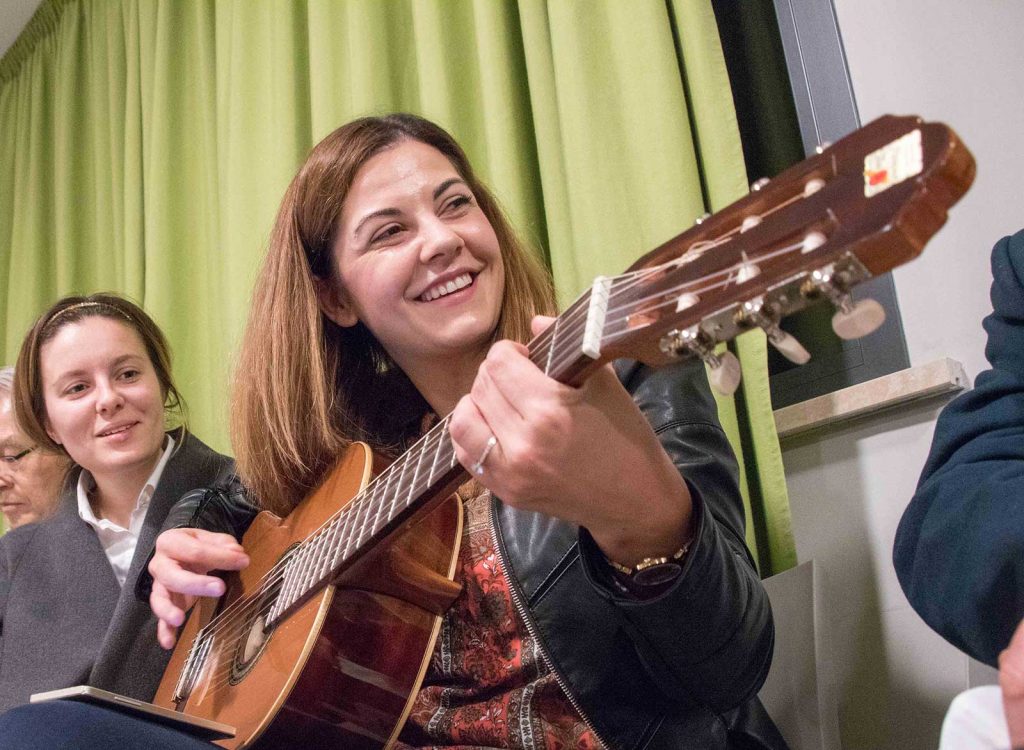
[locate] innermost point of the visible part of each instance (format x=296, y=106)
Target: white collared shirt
x=117, y=542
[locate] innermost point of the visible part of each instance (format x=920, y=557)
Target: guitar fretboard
x=418, y=474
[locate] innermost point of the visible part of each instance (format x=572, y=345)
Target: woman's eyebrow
x=447, y=184
x=374, y=215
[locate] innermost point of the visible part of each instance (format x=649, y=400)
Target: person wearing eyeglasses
x=30, y=477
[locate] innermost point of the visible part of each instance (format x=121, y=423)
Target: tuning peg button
x=789, y=347
x=723, y=372
x=854, y=320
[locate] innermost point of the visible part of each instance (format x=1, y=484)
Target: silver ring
x=478, y=467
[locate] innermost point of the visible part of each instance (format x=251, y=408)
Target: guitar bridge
x=193, y=668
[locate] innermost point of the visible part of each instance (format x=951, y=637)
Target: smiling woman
x=93, y=384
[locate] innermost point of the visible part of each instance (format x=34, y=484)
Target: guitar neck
x=567, y=351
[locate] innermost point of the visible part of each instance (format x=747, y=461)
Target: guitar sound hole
x=253, y=633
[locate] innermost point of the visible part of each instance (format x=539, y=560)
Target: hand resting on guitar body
x=585, y=455
x=179, y=567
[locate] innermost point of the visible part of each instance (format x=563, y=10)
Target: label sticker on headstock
x=892, y=164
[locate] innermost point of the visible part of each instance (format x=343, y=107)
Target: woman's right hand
x=180, y=568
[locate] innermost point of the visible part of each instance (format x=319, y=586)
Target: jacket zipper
x=524, y=615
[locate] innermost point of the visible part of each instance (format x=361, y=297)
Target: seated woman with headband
x=93, y=381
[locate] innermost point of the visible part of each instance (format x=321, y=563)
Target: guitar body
x=342, y=669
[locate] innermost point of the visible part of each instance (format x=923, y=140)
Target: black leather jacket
x=676, y=671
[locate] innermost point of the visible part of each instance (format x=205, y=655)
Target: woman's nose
x=439, y=241
x=108, y=399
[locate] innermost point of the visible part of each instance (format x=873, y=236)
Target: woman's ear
x=51, y=433
x=333, y=303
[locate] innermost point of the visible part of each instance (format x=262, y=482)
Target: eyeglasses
x=12, y=462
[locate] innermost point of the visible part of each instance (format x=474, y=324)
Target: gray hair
x=6, y=380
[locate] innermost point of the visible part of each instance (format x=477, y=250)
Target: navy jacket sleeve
x=959, y=550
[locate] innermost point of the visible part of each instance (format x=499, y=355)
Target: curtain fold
x=145, y=146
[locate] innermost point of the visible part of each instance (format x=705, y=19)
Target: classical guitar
x=325, y=638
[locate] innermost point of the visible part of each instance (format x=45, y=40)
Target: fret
x=345, y=527
x=359, y=509
x=335, y=536
x=446, y=441
x=415, y=475
x=433, y=464
x=288, y=587
x=321, y=559
x=300, y=578
x=403, y=468
x=551, y=345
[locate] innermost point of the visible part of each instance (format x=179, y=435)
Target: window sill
x=941, y=377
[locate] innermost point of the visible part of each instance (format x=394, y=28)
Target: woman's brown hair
x=29, y=401
x=305, y=388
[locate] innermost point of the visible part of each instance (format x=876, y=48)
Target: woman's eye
x=130, y=374
x=458, y=202
x=385, y=234
x=74, y=389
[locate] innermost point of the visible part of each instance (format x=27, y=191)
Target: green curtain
x=145, y=145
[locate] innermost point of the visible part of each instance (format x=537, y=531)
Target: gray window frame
x=827, y=110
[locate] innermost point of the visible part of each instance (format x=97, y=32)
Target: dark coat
x=65, y=620
x=959, y=550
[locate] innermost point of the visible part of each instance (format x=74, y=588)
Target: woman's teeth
x=114, y=432
x=459, y=282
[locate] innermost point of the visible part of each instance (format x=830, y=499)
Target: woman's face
x=418, y=261
x=103, y=401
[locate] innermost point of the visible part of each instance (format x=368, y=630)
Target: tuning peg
x=723, y=372
x=756, y=313
x=854, y=320
x=788, y=346
x=723, y=369
x=758, y=184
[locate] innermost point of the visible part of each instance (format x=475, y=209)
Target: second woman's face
x=103, y=401
x=418, y=260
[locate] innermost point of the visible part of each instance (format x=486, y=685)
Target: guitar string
x=674, y=293
x=317, y=564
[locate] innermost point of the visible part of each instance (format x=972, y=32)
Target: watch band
x=652, y=571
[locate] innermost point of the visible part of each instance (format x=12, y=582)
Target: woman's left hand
x=586, y=455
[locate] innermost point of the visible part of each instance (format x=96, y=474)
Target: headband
x=80, y=305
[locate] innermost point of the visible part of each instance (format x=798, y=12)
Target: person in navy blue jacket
x=959, y=550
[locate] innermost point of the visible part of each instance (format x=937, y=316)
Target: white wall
x=14, y=14
x=961, y=63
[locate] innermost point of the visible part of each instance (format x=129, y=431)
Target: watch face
x=657, y=575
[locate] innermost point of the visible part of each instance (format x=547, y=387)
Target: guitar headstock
x=857, y=209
